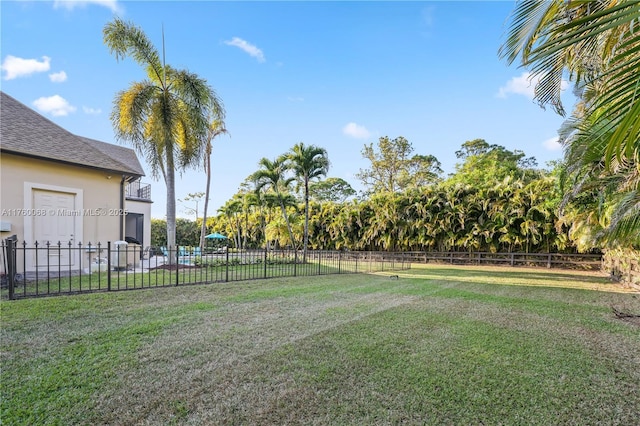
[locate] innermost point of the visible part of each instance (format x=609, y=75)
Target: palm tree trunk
x=203, y=228
x=263, y=223
x=171, y=203
x=246, y=229
x=286, y=219
x=306, y=220
x=239, y=234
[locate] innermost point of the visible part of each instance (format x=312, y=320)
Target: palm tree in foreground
x=597, y=44
x=164, y=116
x=307, y=162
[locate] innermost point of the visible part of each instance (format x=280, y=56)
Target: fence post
x=11, y=267
x=266, y=249
x=549, y=261
x=177, y=248
x=295, y=263
x=108, y=266
x=512, y=258
x=226, y=274
x=339, y=261
x=319, y=259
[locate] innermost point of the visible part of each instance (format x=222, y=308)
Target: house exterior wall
x=97, y=197
x=144, y=208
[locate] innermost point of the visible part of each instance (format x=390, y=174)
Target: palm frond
x=124, y=39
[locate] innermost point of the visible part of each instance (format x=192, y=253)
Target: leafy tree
x=483, y=165
x=331, y=189
x=158, y=232
x=307, y=162
x=165, y=116
x=422, y=170
x=187, y=232
x=393, y=169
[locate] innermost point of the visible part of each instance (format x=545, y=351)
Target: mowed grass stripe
x=335, y=349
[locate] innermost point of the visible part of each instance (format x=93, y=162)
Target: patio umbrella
x=216, y=236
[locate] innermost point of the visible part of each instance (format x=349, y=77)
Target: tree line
x=497, y=200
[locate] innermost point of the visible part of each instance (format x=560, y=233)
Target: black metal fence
x=56, y=269
x=138, y=190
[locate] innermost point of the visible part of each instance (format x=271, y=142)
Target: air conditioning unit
x=119, y=255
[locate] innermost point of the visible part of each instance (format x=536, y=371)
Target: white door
x=55, y=223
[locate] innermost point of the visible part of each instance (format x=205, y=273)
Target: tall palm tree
x=307, y=162
x=164, y=116
x=215, y=129
x=271, y=175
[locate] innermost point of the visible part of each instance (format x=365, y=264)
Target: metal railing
x=58, y=269
x=138, y=190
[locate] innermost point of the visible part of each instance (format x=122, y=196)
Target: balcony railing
x=137, y=190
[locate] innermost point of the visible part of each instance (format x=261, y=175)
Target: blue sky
x=334, y=74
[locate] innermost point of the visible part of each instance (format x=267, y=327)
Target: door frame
x=138, y=219
x=78, y=225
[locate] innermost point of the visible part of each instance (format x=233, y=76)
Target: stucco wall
x=98, y=213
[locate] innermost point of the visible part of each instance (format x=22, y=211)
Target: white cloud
x=91, y=111
x=524, y=85
x=55, y=105
x=58, y=77
x=15, y=67
x=72, y=4
x=247, y=47
x=552, y=144
x=356, y=131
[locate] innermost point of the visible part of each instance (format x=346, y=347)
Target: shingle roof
x=25, y=132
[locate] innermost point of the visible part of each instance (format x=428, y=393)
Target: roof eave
x=130, y=175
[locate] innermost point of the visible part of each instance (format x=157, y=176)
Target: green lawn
x=436, y=345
